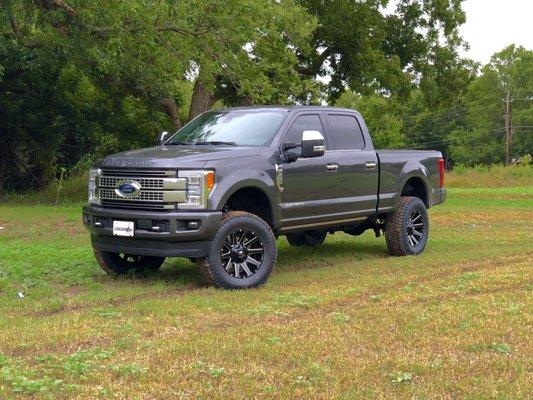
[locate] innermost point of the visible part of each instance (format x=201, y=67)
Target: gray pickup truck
x=225, y=186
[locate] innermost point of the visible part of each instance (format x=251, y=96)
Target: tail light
x=441, y=171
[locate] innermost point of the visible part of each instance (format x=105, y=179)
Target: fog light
x=193, y=225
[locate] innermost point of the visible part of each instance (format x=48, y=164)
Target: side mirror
x=312, y=144
x=162, y=137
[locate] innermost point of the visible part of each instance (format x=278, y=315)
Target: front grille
x=159, y=189
x=147, y=183
x=145, y=195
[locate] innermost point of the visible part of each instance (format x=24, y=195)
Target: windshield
x=241, y=128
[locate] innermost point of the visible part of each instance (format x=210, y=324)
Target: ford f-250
x=226, y=185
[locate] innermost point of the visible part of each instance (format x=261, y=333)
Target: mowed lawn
x=341, y=321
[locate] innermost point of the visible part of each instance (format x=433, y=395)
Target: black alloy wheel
x=242, y=253
x=407, y=229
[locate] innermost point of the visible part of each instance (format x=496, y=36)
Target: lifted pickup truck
x=226, y=185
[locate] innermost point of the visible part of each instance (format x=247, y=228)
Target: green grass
x=341, y=321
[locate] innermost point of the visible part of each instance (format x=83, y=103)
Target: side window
x=345, y=132
x=302, y=123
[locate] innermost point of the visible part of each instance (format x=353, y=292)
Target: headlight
x=199, y=184
x=94, y=173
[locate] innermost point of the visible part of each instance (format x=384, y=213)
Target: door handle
x=370, y=165
x=332, y=167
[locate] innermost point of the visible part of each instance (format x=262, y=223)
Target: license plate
x=123, y=228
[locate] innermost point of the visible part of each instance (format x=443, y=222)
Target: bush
x=73, y=190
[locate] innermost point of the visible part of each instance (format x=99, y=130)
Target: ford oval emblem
x=128, y=189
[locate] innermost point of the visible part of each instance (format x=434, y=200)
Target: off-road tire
x=213, y=270
x=312, y=238
x=398, y=226
x=118, y=263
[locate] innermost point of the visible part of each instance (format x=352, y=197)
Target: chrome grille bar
x=159, y=189
x=166, y=196
x=146, y=183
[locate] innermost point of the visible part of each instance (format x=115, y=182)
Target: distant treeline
x=80, y=79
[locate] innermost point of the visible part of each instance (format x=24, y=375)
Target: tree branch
x=168, y=105
x=15, y=26
x=314, y=68
x=67, y=7
x=183, y=31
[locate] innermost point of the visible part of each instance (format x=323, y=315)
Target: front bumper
x=164, y=234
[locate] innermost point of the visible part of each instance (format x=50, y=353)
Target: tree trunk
x=170, y=108
x=202, y=100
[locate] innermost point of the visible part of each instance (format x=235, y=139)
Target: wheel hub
x=239, y=253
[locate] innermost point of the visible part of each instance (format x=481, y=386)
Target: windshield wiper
x=179, y=143
x=216, y=142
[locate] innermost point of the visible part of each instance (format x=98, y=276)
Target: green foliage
x=88, y=78
x=367, y=49
x=400, y=377
x=82, y=79
x=481, y=140
x=502, y=348
x=381, y=117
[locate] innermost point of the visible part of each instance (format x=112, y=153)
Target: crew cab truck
x=226, y=185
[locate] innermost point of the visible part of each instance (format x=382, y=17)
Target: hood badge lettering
x=128, y=163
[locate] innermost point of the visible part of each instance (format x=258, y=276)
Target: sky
x=491, y=25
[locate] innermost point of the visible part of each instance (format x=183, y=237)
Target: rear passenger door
x=357, y=163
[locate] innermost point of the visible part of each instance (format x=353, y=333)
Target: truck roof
x=286, y=108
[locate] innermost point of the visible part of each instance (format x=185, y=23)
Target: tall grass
x=67, y=191
x=490, y=176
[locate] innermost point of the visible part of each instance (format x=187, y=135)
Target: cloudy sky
x=491, y=25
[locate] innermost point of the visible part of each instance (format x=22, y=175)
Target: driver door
x=309, y=184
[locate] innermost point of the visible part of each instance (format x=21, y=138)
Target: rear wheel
x=242, y=253
x=308, y=238
x=407, y=229
x=120, y=263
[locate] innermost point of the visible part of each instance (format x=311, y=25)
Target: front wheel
x=407, y=229
x=120, y=263
x=242, y=254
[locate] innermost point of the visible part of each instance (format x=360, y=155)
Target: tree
x=92, y=77
x=482, y=141
x=381, y=118
x=364, y=48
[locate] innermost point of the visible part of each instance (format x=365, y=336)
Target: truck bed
x=395, y=165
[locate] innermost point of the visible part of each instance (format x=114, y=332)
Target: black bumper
x=164, y=234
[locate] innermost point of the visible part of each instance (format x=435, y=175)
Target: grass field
x=342, y=321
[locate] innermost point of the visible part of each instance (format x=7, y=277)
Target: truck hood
x=175, y=156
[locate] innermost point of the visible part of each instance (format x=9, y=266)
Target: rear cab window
x=345, y=133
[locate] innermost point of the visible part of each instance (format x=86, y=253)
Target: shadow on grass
x=329, y=253
x=182, y=272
